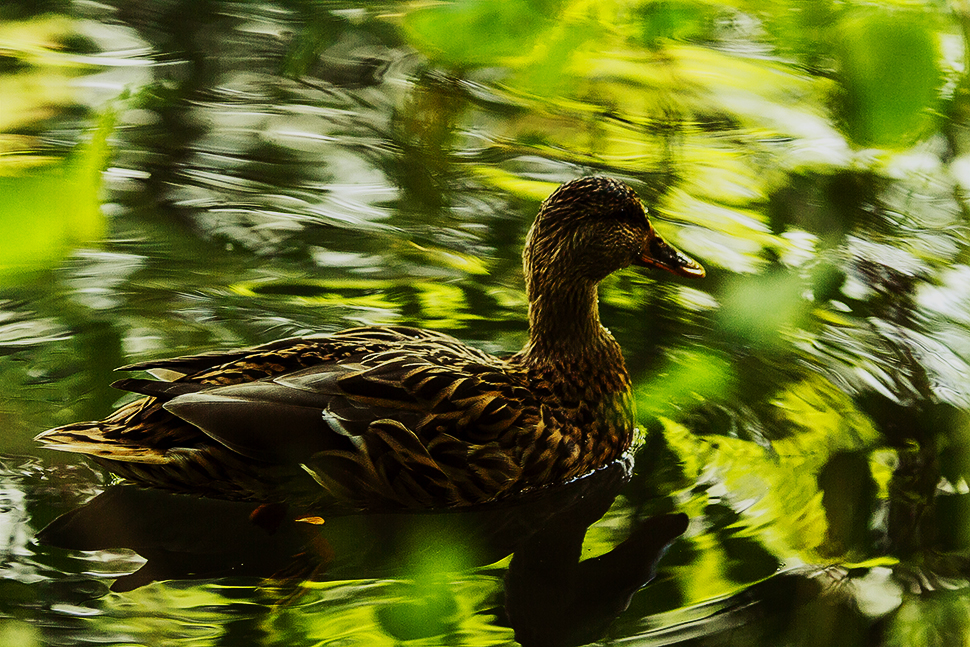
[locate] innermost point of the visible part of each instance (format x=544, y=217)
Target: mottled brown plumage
x=398, y=417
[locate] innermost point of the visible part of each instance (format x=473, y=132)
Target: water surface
x=180, y=177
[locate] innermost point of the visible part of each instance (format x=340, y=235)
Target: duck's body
x=400, y=417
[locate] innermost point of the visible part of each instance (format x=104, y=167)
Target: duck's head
x=589, y=228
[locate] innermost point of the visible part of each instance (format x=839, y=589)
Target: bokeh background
x=181, y=176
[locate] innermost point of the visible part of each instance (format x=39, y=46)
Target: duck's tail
x=89, y=438
x=142, y=431
x=210, y=471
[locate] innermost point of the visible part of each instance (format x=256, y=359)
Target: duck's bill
x=661, y=255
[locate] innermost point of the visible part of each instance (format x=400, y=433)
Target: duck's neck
x=565, y=330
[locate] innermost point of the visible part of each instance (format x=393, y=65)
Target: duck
x=391, y=417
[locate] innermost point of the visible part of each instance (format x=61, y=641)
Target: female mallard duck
x=400, y=417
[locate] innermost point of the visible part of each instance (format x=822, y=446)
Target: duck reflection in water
x=551, y=597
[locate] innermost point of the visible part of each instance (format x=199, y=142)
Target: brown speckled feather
x=398, y=417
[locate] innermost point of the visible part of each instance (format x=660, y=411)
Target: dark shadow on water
x=551, y=596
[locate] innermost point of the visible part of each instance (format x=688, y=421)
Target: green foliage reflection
x=49, y=205
x=790, y=491
x=891, y=75
x=49, y=210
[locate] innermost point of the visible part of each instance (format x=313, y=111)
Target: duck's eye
x=633, y=212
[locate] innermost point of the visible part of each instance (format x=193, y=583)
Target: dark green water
x=184, y=176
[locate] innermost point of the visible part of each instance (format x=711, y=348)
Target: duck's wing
x=400, y=416
x=421, y=425
x=143, y=431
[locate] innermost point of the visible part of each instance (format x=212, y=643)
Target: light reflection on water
x=283, y=171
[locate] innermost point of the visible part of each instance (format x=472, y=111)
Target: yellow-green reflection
x=49, y=205
x=18, y=632
x=779, y=494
